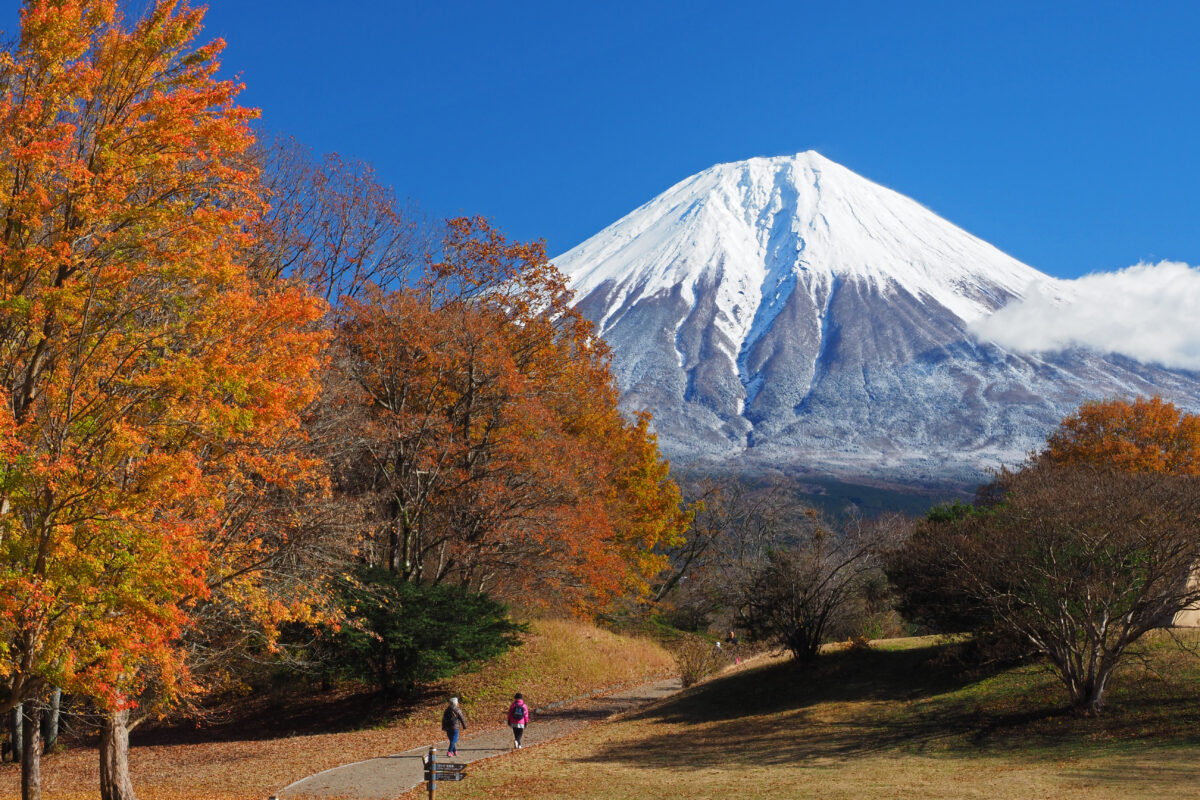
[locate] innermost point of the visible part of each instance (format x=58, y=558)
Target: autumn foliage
x=233, y=376
x=1078, y=554
x=144, y=369
x=1141, y=435
x=491, y=443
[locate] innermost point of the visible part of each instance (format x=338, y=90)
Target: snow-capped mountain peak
x=760, y=227
x=787, y=303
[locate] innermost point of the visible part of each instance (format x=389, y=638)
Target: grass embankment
x=897, y=721
x=562, y=659
x=251, y=758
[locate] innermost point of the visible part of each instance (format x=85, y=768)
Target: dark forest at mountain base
x=835, y=497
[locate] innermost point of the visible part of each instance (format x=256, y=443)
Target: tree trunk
x=114, y=757
x=393, y=549
x=1087, y=696
x=406, y=540
x=14, y=732
x=50, y=721
x=31, y=755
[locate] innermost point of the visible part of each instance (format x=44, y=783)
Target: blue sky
x=1065, y=133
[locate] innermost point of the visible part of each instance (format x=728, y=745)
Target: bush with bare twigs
x=696, y=658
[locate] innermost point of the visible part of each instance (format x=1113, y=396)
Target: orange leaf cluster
x=492, y=440
x=1141, y=435
x=145, y=373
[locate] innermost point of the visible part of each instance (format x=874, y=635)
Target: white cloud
x=1148, y=312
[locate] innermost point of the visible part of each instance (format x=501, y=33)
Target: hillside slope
x=897, y=721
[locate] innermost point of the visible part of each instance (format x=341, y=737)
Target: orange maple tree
x=146, y=373
x=497, y=456
x=1140, y=435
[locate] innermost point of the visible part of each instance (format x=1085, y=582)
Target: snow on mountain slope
x=766, y=219
x=790, y=310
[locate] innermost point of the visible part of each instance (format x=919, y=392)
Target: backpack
x=518, y=713
x=448, y=719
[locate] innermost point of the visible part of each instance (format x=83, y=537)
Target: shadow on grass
x=840, y=676
x=274, y=715
x=1172, y=769
x=854, y=703
x=281, y=714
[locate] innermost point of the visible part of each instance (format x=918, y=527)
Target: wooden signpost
x=441, y=771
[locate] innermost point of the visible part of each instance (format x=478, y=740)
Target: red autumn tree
x=146, y=373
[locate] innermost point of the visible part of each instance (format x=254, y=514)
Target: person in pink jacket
x=518, y=718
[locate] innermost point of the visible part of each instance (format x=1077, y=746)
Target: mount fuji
x=789, y=312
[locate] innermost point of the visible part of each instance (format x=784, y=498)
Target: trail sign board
x=446, y=776
x=441, y=771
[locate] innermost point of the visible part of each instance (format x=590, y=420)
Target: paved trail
x=388, y=776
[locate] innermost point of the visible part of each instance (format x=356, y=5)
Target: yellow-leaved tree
x=146, y=374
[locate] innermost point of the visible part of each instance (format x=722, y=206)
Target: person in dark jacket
x=453, y=721
x=518, y=718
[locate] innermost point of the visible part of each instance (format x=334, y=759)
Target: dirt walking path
x=389, y=776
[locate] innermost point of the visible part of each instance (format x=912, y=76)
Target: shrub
x=799, y=597
x=696, y=658
x=398, y=634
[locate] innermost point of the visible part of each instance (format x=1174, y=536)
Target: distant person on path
x=453, y=721
x=518, y=718
x=733, y=647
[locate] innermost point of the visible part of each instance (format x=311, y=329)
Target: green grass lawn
x=900, y=720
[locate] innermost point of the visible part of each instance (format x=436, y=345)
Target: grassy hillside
x=559, y=659
x=288, y=738
x=896, y=721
